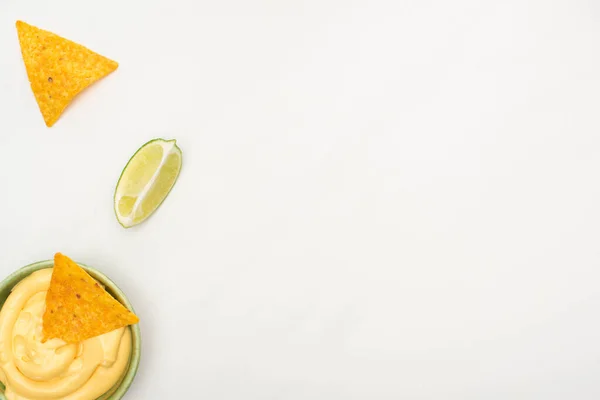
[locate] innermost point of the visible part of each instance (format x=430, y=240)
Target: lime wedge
x=146, y=181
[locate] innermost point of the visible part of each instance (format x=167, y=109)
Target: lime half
x=146, y=181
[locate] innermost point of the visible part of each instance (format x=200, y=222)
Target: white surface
x=379, y=200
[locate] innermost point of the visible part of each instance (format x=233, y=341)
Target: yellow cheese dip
x=32, y=370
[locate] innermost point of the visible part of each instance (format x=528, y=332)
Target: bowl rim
x=134, y=359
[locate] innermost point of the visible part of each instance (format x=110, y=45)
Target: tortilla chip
x=58, y=69
x=78, y=307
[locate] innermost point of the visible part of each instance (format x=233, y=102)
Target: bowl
x=120, y=388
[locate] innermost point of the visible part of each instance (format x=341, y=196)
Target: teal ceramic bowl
x=120, y=388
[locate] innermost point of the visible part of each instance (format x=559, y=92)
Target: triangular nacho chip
x=78, y=307
x=58, y=69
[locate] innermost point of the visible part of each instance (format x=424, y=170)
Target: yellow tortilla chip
x=58, y=69
x=78, y=307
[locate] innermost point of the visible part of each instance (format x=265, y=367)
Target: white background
x=379, y=200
